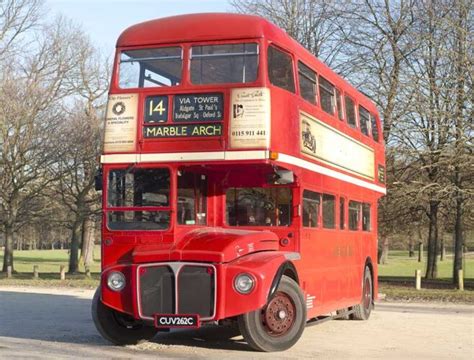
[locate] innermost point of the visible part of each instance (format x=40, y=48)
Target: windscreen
x=150, y=67
x=227, y=63
x=134, y=189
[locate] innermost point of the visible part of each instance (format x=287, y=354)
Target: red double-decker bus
x=240, y=182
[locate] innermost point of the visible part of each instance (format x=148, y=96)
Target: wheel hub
x=279, y=315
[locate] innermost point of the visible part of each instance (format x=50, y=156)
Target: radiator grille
x=157, y=290
x=196, y=291
x=195, y=284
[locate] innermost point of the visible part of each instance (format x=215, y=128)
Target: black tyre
x=362, y=311
x=342, y=314
x=116, y=327
x=280, y=323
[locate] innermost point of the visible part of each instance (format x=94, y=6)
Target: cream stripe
x=329, y=172
x=237, y=155
x=191, y=156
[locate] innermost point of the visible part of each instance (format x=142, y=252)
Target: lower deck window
x=329, y=207
x=192, y=199
x=138, y=220
x=258, y=206
x=366, y=217
x=137, y=188
x=342, y=209
x=311, y=208
x=354, y=215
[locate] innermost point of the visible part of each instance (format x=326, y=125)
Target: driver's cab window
x=192, y=198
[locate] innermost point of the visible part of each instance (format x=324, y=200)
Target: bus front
x=197, y=219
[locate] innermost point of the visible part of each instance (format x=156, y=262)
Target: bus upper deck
x=181, y=92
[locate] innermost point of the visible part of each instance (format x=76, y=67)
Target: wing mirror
x=282, y=177
x=98, y=180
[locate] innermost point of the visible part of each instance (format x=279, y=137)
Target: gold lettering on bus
x=183, y=131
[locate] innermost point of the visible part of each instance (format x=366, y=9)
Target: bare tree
x=77, y=167
x=17, y=18
x=33, y=87
x=313, y=23
x=463, y=71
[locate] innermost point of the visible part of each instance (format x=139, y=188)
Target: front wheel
x=117, y=327
x=362, y=311
x=280, y=323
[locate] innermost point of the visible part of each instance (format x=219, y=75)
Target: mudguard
x=264, y=267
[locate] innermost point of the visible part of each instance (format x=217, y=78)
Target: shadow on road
x=48, y=317
x=210, y=337
x=67, y=319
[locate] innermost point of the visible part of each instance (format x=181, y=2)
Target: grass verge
x=51, y=280
x=410, y=294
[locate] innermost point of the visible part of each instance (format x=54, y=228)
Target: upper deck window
x=364, y=118
x=280, y=69
x=339, y=105
x=350, y=111
x=307, y=78
x=326, y=92
x=374, y=127
x=150, y=67
x=219, y=64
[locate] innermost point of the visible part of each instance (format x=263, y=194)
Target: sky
x=104, y=20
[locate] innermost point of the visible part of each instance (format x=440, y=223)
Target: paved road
x=55, y=323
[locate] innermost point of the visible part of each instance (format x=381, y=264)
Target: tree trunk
x=432, y=262
x=87, y=251
x=411, y=245
x=8, y=254
x=74, y=250
x=458, y=240
x=442, y=246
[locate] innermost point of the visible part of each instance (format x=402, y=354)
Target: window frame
x=291, y=204
x=108, y=209
x=315, y=82
x=333, y=97
x=342, y=213
x=367, y=128
x=203, y=195
x=319, y=215
x=118, y=62
x=334, y=227
x=189, y=58
x=339, y=104
x=354, y=126
x=359, y=207
x=364, y=204
x=374, y=121
x=292, y=59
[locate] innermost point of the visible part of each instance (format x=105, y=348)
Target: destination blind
x=203, y=112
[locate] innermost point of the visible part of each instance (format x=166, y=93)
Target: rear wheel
x=280, y=323
x=117, y=327
x=362, y=311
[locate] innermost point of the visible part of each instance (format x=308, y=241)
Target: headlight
x=116, y=281
x=244, y=283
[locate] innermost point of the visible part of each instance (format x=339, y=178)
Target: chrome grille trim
x=176, y=268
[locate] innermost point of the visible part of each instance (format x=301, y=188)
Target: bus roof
x=198, y=27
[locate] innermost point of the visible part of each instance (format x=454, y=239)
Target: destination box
x=198, y=107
